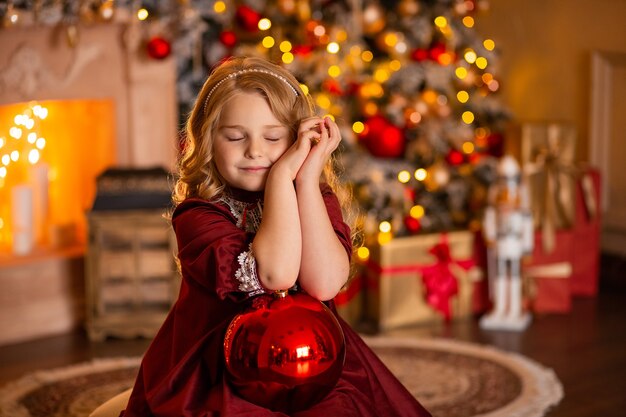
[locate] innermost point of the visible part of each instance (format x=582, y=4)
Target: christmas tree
x=410, y=82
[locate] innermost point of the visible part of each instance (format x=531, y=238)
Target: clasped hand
x=305, y=159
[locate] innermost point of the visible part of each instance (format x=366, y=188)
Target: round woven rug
x=450, y=378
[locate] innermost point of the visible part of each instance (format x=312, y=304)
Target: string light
x=468, y=147
x=384, y=226
x=470, y=56
x=462, y=96
x=358, y=127
x=441, y=22
x=285, y=46
x=265, y=24
x=489, y=44
x=421, y=174
x=363, y=253
x=334, y=71
x=287, y=58
x=219, y=7
x=468, y=117
x=481, y=62
x=367, y=56
x=332, y=47
x=268, y=42
x=25, y=145
x=404, y=176
x=417, y=212
x=142, y=14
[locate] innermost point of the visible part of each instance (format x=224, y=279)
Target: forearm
x=324, y=266
x=277, y=245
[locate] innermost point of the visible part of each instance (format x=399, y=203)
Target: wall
x=107, y=62
x=545, y=62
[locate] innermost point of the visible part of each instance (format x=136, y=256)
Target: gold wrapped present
x=420, y=279
x=349, y=301
x=547, y=153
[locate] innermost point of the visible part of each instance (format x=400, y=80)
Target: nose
x=254, y=148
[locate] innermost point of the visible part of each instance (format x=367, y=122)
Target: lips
x=254, y=169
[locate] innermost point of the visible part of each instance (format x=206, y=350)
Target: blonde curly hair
x=197, y=173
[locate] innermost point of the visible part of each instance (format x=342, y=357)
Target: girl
x=251, y=216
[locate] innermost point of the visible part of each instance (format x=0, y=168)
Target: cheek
x=280, y=150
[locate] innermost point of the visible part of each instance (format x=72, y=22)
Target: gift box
x=546, y=152
x=547, y=276
x=350, y=299
x=586, y=256
x=420, y=279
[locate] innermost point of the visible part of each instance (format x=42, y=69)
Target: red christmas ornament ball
x=158, y=48
x=228, y=38
x=248, y=18
x=285, y=353
x=382, y=139
x=412, y=224
x=455, y=157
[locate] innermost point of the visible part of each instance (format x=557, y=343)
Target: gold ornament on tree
x=373, y=19
x=408, y=8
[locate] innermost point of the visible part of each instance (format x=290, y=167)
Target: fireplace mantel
x=107, y=62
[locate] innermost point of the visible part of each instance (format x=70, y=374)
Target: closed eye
x=273, y=139
x=234, y=138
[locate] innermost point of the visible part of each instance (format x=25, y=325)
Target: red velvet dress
x=182, y=372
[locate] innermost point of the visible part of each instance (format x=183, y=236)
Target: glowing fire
x=71, y=141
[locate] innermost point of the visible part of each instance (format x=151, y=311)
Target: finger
x=309, y=124
x=324, y=131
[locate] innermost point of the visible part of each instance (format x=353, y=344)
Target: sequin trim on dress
x=246, y=274
x=244, y=212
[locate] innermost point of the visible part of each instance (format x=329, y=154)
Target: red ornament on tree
x=284, y=353
x=412, y=224
x=455, y=157
x=228, y=38
x=158, y=48
x=383, y=139
x=248, y=18
x=419, y=54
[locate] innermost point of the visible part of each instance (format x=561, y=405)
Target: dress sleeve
x=336, y=218
x=213, y=252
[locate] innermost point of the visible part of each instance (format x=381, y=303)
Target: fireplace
x=107, y=106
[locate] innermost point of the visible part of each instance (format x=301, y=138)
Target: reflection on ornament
x=285, y=353
x=158, y=48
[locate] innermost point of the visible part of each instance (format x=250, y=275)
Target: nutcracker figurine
x=508, y=231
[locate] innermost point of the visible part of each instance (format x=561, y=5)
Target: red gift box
x=548, y=274
x=586, y=245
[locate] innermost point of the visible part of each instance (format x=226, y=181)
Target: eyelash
x=243, y=137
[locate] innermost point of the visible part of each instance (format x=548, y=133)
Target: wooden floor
x=586, y=348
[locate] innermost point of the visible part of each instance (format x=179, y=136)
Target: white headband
x=244, y=71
